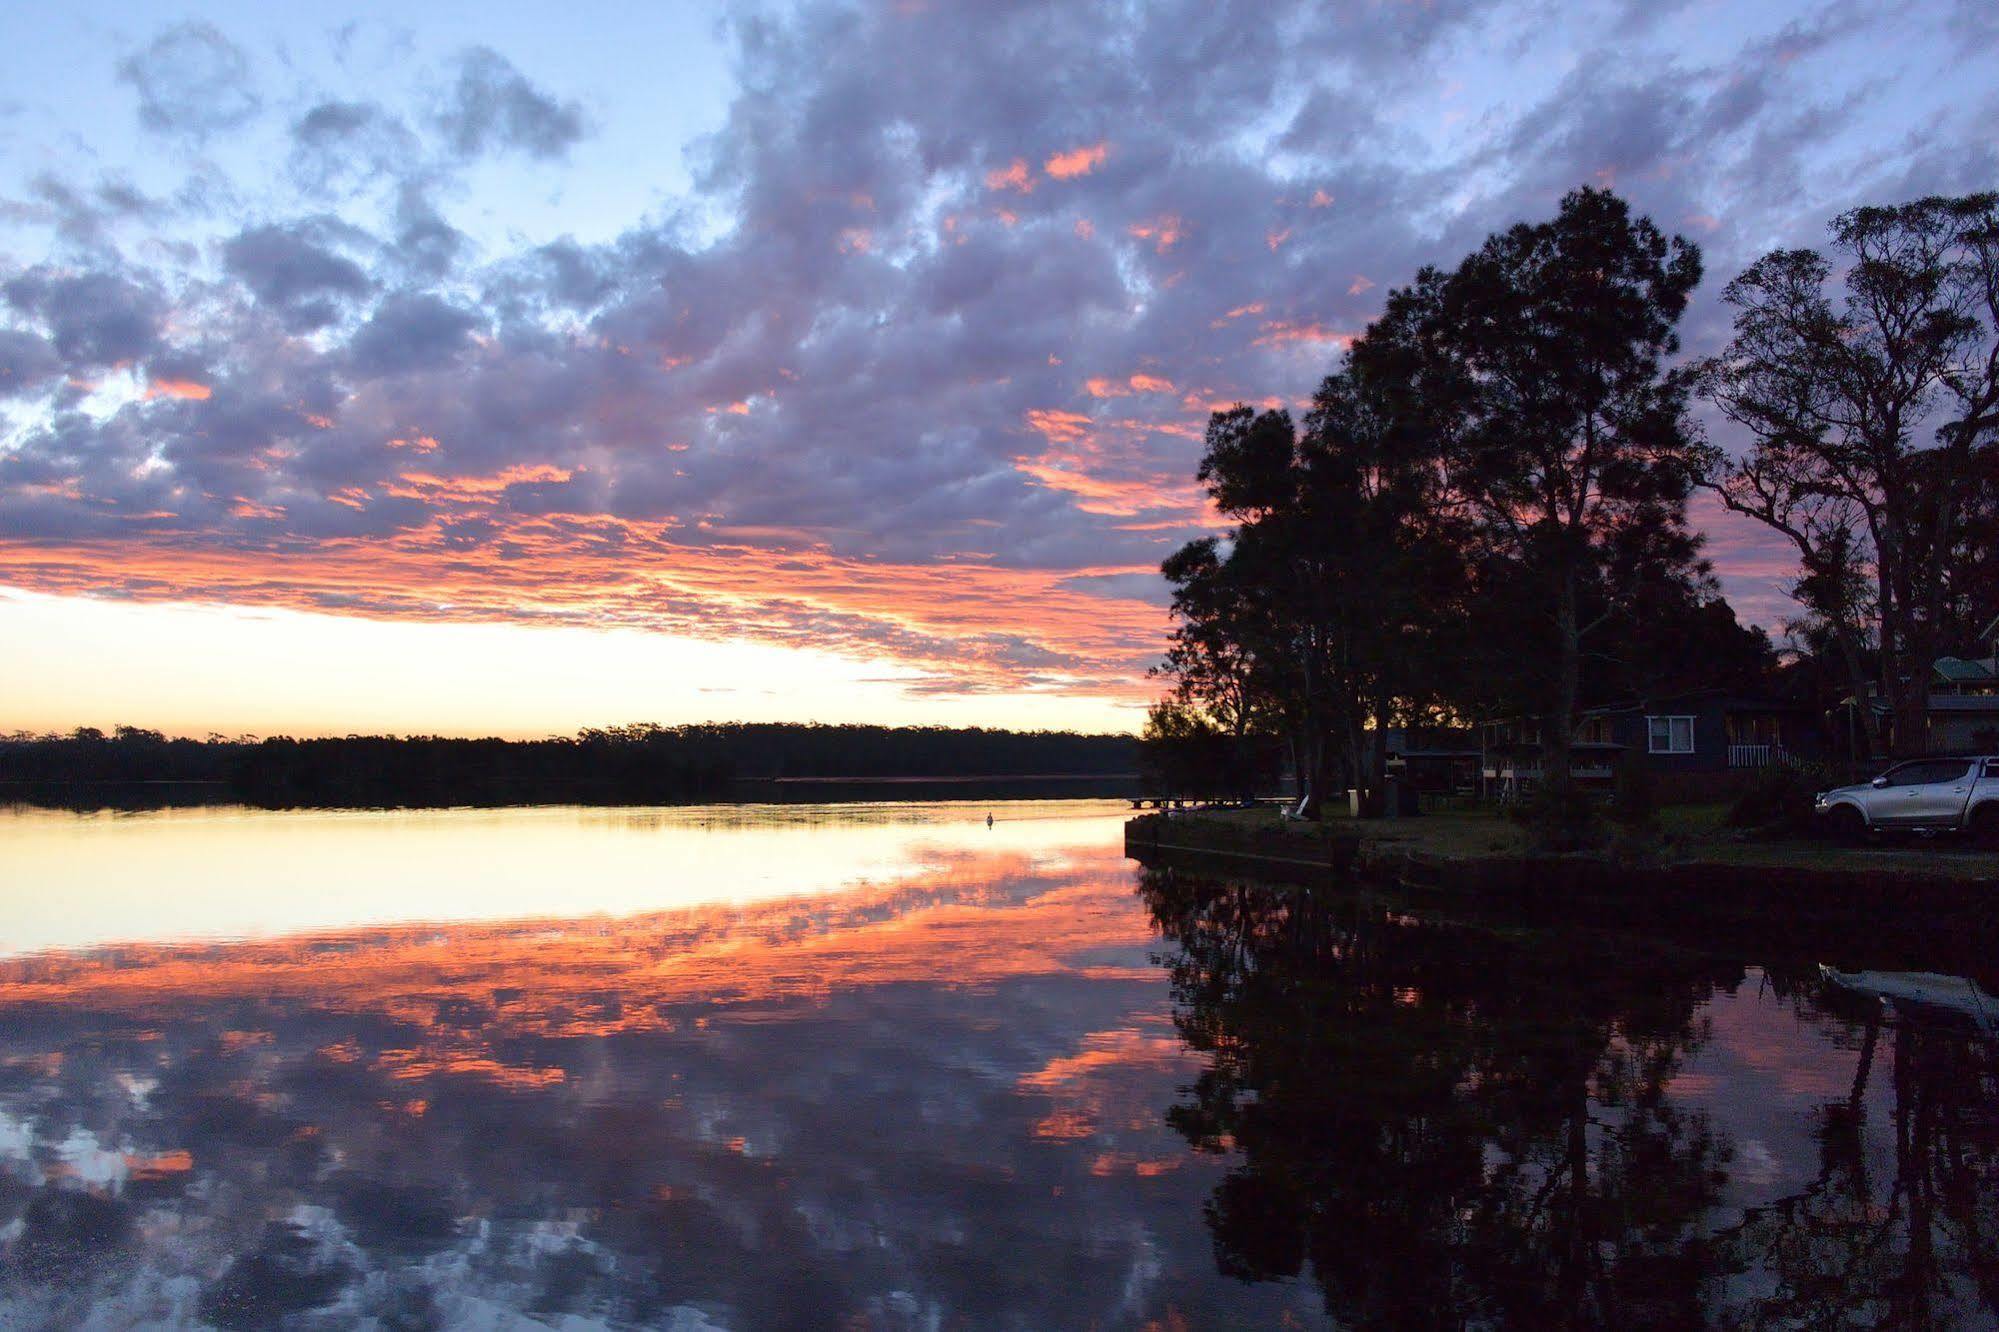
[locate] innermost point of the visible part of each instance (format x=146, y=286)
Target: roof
x=1960, y=670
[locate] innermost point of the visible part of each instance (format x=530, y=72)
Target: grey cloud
x=295, y=270
x=426, y=245
x=410, y=331
x=191, y=80
x=493, y=107
x=27, y=361
x=94, y=319
x=1974, y=24
x=341, y=145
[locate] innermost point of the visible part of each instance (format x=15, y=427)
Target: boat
x=1919, y=991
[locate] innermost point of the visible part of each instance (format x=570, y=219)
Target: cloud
x=191, y=80
x=294, y=269
x=343, y=145
x=1077, y=161
x=410, y=331
x=94, y=319
x=84, y=217
x=27, y=361
x=493, y=108
x=919, y=367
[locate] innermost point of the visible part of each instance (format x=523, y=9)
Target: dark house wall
x=1710, y=735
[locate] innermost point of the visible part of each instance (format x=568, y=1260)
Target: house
x=1434, y=759
x=1964, y=700
x=1700, y=744
x=1510, y=755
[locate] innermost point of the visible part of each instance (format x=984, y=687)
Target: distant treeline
x=639, y=764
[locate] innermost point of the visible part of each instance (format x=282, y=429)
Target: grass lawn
x=1694, y=833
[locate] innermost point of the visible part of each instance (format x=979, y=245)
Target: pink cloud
x=1077, y=161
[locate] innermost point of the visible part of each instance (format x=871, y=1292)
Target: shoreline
x=180, y=793
x=1731, y=877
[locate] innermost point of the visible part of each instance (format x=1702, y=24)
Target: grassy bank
x=1692, y=835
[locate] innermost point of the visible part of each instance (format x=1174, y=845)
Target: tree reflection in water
x=1457, y=1125
x=1914, y=1247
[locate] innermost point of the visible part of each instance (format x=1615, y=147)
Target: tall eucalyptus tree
x=1872, y=421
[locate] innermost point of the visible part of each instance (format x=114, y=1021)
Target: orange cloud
x=177, y=388
x=429, y=486
x=1237, y=313
x=1282, y=332
x=1113, y=470
x=1077, y=161
x=967, y=621
x=1358, y=285
x=1059, y=426
x=1014, y=176
x=1163, y=232
x=1122, y=388
x=1277, y=238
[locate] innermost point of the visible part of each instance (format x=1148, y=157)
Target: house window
x=1669, y=735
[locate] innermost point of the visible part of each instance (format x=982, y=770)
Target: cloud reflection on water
x=965, y=1080
x=750, y=1113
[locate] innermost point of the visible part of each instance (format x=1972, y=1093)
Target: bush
x=1634, y=801
x=1780, y=799
x=1634, y=810
x=1558, y=823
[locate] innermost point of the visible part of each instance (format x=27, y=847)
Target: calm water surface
x=884, y=1066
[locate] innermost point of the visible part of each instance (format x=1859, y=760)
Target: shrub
x=1634, y=801
x=1780, y=799
x=1634, y=810
x=1558, y=824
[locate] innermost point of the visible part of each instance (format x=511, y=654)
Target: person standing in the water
x=989, y=820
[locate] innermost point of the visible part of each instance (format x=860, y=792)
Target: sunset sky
x=509, y=369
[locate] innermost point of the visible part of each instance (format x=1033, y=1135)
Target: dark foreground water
x=889, y=1067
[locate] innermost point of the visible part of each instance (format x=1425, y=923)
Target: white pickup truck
x=1930, y=795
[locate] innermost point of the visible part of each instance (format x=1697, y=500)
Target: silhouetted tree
x=1557, y=425
x=1330, y=586
x=1867, y=419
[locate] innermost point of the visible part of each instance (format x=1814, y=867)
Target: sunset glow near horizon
x=473, y=372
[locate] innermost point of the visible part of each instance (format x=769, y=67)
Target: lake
x=887, y=1066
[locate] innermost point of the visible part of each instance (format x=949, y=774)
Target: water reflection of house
x=1697, y=745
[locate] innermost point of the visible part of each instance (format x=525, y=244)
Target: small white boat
x=1920, y=989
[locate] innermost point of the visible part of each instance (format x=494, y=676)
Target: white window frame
x=1652, y=745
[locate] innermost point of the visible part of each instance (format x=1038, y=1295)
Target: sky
x=451, y=369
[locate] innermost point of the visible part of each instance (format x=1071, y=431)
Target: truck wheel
x=1845, y=824
x=1985, y=827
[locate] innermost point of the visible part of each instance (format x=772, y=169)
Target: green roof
x=1958, y=669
